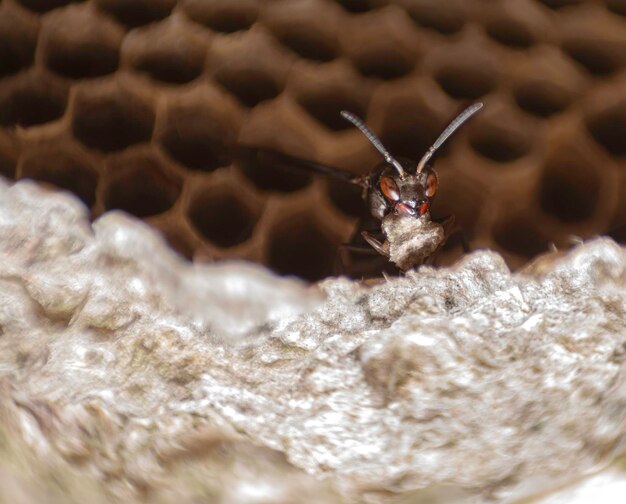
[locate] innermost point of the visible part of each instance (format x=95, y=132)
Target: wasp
x=399, y=193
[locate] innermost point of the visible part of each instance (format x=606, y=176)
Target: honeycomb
x=141, y=105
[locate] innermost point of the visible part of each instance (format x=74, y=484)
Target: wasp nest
x=137, y=105
x=147, y=377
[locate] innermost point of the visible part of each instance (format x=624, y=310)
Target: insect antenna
x=374, y=140
x=452, y=127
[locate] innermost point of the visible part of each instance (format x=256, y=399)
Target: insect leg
x=381, y=247
x=362, y=249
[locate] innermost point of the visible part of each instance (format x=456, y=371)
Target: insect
x=399, y=193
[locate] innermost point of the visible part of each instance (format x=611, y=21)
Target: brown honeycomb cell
x=223, y=216
x=222, y=15
x=152, y=107
x=429, y=14
x=616, y=6
x=607, y=126
x=18, y=38
x=251, y=67
x=519, y=236
x=390, y=57
x=166, y=55
x=139, y=182
x=299, y=237
x=569, y=188
x=78, y=43
x=595, y=39
x=503, y=135
x=547, y=84
x=465, y=71
x=111, y=117
x=409, y=124
x=298, y=244
x=198, y=129
x=135, y=13
x=62, y=164
x=32, y=99
x=308, y=28
x=324, y=96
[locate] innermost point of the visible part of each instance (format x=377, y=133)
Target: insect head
x=401, y=188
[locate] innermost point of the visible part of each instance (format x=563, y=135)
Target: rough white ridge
x=470, y=382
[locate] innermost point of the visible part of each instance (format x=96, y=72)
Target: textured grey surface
x=116, y=355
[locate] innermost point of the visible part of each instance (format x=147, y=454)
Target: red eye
x=431, y=185
x=389, y=188
x=424, y=207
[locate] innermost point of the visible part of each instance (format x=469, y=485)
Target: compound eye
x=431, y=184
x=389, y=188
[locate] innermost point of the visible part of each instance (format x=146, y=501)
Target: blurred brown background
x=139, y=105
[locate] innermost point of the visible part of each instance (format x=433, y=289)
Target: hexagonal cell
x=198, y=137
x=382, y=44
x=385, y=62
x=268, y=171
x=63, y=167
x=309, y=28
x=595, y=39
x=616, y=6
x=78, y=44
x=542, y=98
x=252, y=67
x=190, y=140
x=348, y=198
x=298, y=247
x=223, y=217
x=460, y=197
x=607, y=127
x=167, y=52
x=466, y=70
x=501, y=136
x=308, y=43
x=138, y=183
x=465, y=78
x=33, y=99
x=18, y=37
x=111, y=117
x=547, y=82
x=45, y=5
x=599, y=57
x=569, y=188
x=251, y=86
x=137, y=12
x=445, y=18
x=409, y=128
x=510, y=32
x=520, y=235
x=222, y=15
x=517, y=24
x=326, y=102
